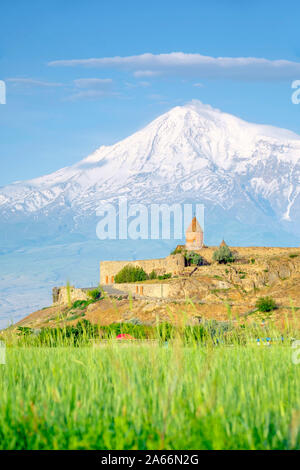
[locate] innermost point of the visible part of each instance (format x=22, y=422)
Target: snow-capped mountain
x=241, y=171
x=246, y=175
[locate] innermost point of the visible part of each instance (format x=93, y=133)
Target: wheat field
x=150, y=396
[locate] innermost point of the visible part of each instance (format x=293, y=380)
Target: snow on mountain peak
x=195, y=133
x=194, y=147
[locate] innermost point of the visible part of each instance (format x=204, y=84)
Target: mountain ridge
x=191, y=150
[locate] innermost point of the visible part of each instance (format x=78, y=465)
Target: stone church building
x=173, y=263
x=194, y=236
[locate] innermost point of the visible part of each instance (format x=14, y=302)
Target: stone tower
x=194, y=236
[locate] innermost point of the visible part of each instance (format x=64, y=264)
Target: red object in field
x=124, y=336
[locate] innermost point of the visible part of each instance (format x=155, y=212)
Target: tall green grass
x=194, y=387
x=186, y=393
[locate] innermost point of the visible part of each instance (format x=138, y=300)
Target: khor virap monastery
x=254, y=267
x=173, y=263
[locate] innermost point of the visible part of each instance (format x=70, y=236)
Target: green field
x=150, y=396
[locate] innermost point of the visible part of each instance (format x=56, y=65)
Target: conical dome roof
x=194, y=226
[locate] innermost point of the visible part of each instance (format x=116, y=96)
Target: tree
x=153, y=275
x=193, y=258
x=131, y=274
x=223, y=255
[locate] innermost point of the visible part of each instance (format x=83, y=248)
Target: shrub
x=94, y=294
x=164, y=276
x=131, y=274
x=24, y=331
x=252, y=260
x=153, y=275
x=293, y=255
x=81, y=304
x=266, y=304
x=193, y=258
x=223, y=255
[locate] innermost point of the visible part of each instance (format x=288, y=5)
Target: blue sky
x=61, y=106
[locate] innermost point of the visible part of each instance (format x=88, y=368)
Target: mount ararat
x=247, y=176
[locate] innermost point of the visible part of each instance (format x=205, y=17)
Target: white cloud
x=92, y=82
x=199, y=85
x=146, y=73
x=92, y=88
x=81, y=88
x=91, y=94
x=137, y=84
x=183, y=64
x=32, y=82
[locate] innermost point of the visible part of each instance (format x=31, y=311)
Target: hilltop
x=206, y=292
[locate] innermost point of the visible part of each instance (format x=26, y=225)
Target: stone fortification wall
x=158, y=291
x=60, y=294
x=173, y=264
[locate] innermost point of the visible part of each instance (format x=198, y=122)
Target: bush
x=94, y=294
x=193, y=258
x=24, y=331
x=131, y=274
x=165, y=276
x=153, y=275
x=223, y=255
x=81, y=304
x=266, y=304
